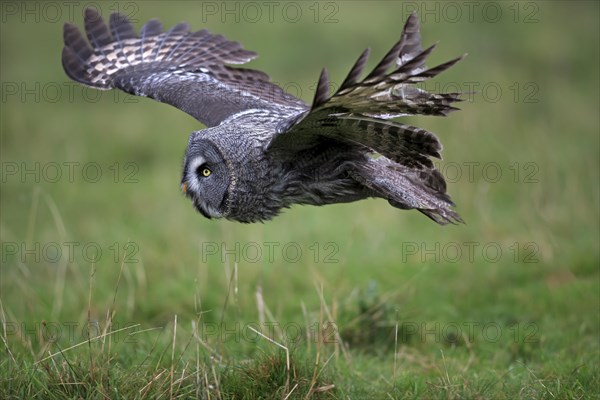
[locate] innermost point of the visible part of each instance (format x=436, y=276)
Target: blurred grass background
x=535, y=119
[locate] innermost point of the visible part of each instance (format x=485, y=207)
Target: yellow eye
x=203, y=171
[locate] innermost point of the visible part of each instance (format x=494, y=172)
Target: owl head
x=206, y=177
x=227, y=175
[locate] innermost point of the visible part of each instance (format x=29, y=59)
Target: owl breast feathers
x=264, y=150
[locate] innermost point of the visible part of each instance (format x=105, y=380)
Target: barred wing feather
x=185, y=69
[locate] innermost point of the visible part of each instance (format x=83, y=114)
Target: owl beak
x=184, y=187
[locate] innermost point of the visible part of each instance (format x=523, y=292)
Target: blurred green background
x=521, y=158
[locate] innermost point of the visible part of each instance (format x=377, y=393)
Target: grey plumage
x=264, y=150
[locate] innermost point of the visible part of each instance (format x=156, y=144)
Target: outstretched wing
x=359, y=113
x=184, y=69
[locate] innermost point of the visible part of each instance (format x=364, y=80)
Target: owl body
x=264, y=150
x=247, y=184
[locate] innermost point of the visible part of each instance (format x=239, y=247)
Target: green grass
x=379, y=304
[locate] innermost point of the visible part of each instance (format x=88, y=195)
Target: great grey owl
x=263, y=149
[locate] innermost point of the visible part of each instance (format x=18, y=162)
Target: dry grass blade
x=338, y=338
x=89, y=318
x=173, y=355
x=313, y=379
x=287, y=355
x=4, y=338
x=324, y=388
x=395, y=347
x=291, y=391
x=217, y=384
x=145, y=389
x=264, y=312
x=84, y=342
x=306, y=326
x=260, y=305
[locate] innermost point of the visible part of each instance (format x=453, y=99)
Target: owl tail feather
x=407, y=189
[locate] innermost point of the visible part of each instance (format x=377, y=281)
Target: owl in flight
x=264, y=149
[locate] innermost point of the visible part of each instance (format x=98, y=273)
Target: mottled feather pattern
x=355, y=72
x=266, y=150
x=119, y=47
x=358, y=114
x=391, y=94
x=408, y=189
x=185, y=69
x=404, y=144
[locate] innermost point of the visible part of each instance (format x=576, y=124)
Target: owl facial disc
x=196, y=173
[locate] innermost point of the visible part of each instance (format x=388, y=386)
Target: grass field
x=112, y=286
